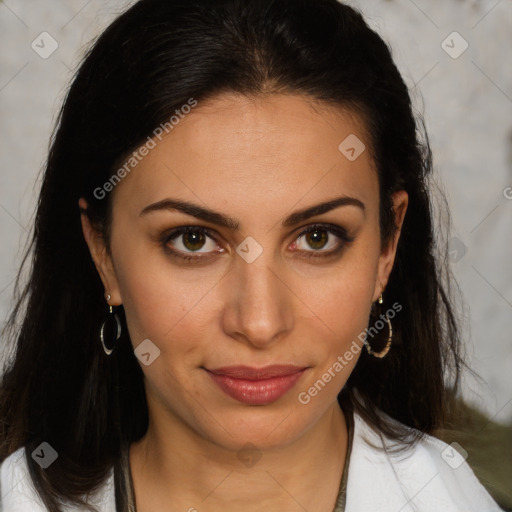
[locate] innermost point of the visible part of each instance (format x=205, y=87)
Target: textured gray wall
x=464, y=93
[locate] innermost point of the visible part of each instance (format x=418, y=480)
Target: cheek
x=144, y=287
x=342, y=295
x=155, y=306
x=342, y=303
x=162, y=300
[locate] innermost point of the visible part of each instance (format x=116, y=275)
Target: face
x=260, y=276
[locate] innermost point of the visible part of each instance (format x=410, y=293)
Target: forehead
x=248, y=151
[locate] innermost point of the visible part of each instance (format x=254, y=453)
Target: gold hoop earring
x=382, y=353
x=109, y=342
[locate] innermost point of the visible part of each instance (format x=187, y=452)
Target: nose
x=259, y=309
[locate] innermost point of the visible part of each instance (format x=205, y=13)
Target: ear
x=101, y=257
x=400, y=201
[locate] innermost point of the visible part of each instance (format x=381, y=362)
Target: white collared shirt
x=431, y=477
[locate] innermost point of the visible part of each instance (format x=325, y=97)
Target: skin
x=256, y=160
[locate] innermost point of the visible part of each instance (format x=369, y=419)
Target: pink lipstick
x=256, y=386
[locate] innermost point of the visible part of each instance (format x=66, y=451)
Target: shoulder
x=429, y=475
x=17, y=492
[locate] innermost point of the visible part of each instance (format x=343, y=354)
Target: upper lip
x=250, y=373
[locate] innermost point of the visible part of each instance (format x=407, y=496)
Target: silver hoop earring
x=382, y=353
x=112, y=326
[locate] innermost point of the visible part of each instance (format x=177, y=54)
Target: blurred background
x=455, y=55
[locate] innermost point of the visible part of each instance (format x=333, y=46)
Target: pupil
x=319, y=238
x=193, y=240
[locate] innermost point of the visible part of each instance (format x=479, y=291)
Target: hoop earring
x=112, y=320
x=387, y=347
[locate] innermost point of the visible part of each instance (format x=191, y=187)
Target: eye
x=184, y=241
x=325, y=240
x=198, y=243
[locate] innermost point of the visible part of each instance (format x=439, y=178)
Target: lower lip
x=256, y=392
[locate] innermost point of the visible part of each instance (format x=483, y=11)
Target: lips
x=256, y=386
x=249, y=373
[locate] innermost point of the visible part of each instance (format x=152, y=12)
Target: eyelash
x=338, y=231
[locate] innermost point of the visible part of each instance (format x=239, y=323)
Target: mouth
x=256, y=386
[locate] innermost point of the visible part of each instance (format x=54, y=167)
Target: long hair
x=59, y=386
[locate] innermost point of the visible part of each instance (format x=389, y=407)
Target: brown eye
x=320, y=240
x=190, y=243
x=194, y=240
x=317, y=239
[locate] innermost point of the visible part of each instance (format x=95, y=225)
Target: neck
x=178, y=467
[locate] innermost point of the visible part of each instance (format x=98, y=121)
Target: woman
x=235, y=302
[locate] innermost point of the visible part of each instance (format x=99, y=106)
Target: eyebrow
x=231, y=223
